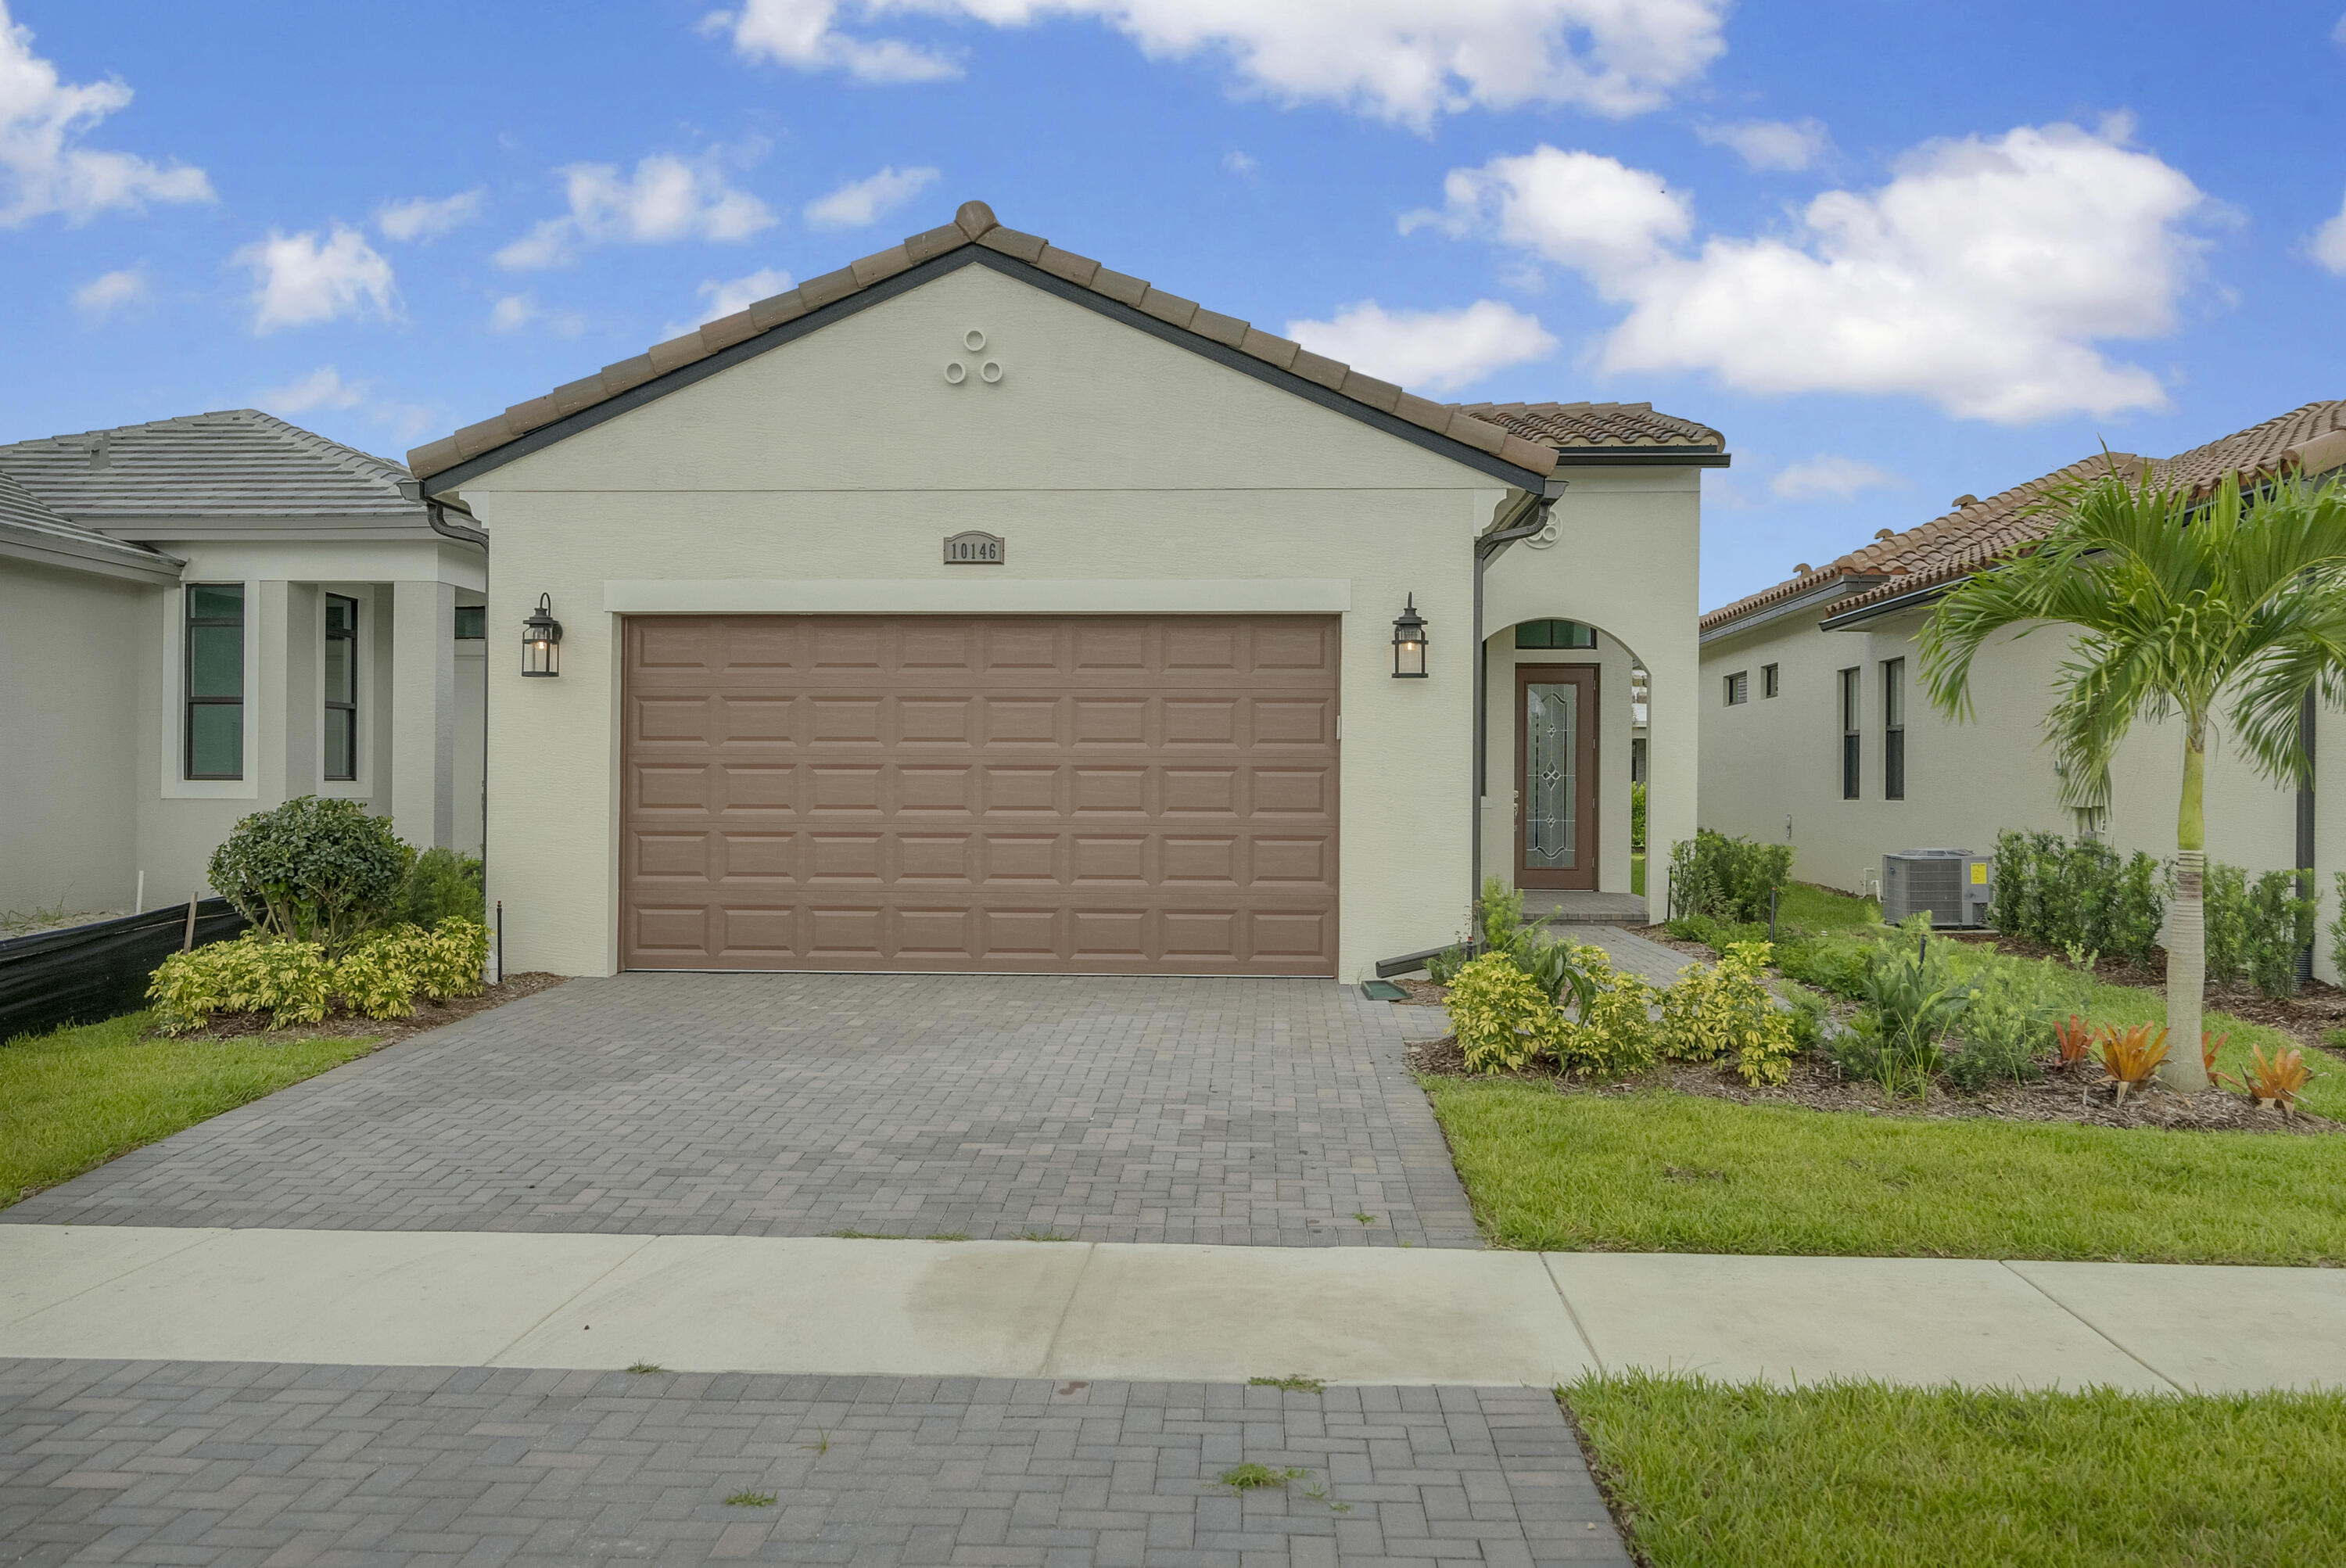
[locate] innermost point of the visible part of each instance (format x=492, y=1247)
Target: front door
x=1555, y=776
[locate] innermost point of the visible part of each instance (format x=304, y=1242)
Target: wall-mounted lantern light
x=541, y=638
x=1409, y=643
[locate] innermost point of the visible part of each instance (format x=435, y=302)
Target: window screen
x=1738, y=688
x=1893, y=729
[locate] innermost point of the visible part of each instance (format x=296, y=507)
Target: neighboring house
x=1816, y=730
x=203, y=618
x=975, y=607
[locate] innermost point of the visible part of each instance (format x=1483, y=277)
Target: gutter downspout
x=1488, y=547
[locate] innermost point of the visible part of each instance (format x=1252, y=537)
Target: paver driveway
x=1111, y=1109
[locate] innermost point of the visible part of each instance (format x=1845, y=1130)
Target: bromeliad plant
x=2274, y=1084
x=2176, y=602
x=2075, y=1040
x=2131, y=1056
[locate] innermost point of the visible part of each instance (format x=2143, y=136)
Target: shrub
x=1502, y=1018
x=2280, y=926
x=2078, y=895
x=2338, y=928
x=312, y=870
x=1500, y=915
x=1729, y=1013
x=254, y=974
x=1713, y=874
x=2008, y=1023
x=1833, y=964
x=441, y=883
x=379, y=977
x=1615, y=1031
x=2227, y=916
x=1637, y=815
x=1444, y=966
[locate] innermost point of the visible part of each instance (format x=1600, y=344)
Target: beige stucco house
x=977, y=607
x=203, y=618
x=1816, y=732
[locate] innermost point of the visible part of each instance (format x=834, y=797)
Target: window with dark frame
x=472, y=623
x=1738, y=688
x=1768, y=681
x=213, y=745
x=1850, y=752
x=1555, y=634
x=1893, y=729
x=342, y=688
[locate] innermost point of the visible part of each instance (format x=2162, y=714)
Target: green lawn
x=1804, y=906
x=1869, y=1476
x=1661, y=1171
x=77, y=1097
x=1637, y=872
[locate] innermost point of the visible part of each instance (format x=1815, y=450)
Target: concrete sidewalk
x=1106, y=1311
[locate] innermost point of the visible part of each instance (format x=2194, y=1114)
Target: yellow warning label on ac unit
x=1979, y=873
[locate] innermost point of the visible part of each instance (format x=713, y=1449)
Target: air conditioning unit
x=1953, y=885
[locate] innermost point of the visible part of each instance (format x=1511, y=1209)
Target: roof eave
x=101, y=556
x=446, y=481
x=1642, y=457
x=1835, y=587
x=1859, y=614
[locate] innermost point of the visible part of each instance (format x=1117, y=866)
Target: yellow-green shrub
x=379, y=977
x=1502, y=1018
x=1729, y=1013
x=454, y=954
x=255, y=973
x=1616, y=1033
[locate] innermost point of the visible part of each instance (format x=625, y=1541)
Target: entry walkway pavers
x=196, y=1463
x=1123, y=1312
x=1251, y=1111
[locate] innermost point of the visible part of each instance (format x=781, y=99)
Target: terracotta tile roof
x=1569, y=425
x=975, y=224
x=2312, y=439
x=233, y=464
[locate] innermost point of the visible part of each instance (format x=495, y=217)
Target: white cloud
x=1428, y=351
x=1982, y=277
x=2337, y=34
x=512, y=312
x=1409, y=61
x=665, y=199
x=107, y=293
x=863, y=201
x=2330, y=240
x=298, y=282
x=425, y=218
x=1239, y=164
x=1770, y=144
x=720, y=299
x=321, y=388
x=1828, y=475
x=42, y=170
x=406, y=421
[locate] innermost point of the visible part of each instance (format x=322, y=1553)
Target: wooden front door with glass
x=1555, y=776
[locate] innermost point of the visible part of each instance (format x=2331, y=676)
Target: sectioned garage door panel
x=1073, y=794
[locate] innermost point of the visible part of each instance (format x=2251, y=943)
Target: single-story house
x=977, y=607
x=203, y=618
x=1817, y=732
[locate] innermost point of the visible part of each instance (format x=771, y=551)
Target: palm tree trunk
x=2187, y=922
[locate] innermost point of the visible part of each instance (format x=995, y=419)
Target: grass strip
x=75, y=1098
x=1662, y=1171
x=1868, y=1475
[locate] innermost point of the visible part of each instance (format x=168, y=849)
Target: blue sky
x=1896, y=249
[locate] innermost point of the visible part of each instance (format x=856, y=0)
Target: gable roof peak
x=975, y=224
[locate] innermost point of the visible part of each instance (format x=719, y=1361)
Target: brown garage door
x=1073, y=794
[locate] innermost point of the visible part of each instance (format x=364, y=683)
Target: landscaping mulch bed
x=1660, y=936
x=428, y=1015
x=2077, y=1095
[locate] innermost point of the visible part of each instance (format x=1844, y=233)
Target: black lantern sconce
x=541, y=640
x=1409, y=643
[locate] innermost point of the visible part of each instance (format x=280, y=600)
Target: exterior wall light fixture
x=1409, y=643
x=541, y=640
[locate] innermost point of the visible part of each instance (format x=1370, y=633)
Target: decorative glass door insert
x=1555, y=776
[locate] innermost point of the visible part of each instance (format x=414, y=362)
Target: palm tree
x=2177, y=607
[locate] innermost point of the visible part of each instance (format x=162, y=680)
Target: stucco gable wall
x=1083, y=402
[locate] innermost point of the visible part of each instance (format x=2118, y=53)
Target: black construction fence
x=101, y=970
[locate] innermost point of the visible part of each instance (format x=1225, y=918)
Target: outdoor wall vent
x=1953, y=885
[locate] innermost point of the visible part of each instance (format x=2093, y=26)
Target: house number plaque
x=974, y=548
